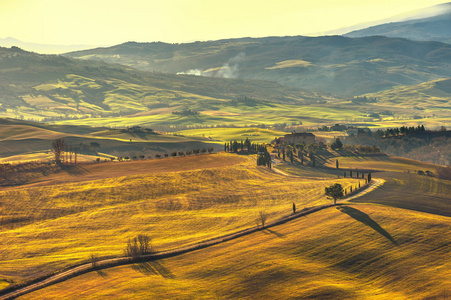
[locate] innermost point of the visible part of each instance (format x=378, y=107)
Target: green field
x=256, y=135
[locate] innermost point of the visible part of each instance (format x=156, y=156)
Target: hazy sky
x=107, y=22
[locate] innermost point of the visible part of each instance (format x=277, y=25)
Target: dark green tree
x=369, y=177
x=337, y=144
x=335, y=192
x=336, y=163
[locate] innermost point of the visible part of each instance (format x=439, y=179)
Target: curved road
x=113, y=262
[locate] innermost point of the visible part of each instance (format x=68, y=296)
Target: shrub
x=138, y=246
x=262, y=217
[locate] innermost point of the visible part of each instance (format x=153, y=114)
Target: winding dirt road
x=108, y=263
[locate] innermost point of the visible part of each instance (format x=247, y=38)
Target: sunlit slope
x=256, y=135
x=350, y=252
x=349, y=161
x=29, y=141
x=412, y=191
x=50, y=227
x=427, y=97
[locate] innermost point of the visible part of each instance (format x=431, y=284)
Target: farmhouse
x=294, y=138
x=300, y=138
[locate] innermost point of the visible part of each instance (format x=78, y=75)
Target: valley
x=265, y=164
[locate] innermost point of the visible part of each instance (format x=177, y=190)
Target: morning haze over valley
x=225, y=149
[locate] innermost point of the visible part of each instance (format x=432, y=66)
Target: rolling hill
x=31, y=141
x=332, y=64
x=425, y=96
x=432, y=28
x=54, y=87
x=396, y=248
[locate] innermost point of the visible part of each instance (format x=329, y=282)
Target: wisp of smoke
x=231, y=68
x=196, y=72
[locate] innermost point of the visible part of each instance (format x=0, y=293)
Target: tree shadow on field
x=153, y=267
x=365, y=219
x=101, y=273
x=280, y=235
x=76, y=170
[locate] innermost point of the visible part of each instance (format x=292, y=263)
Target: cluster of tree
x=247, y=145
x=336, y=127
x=248, y=101
x=300, y=150
x=140, y=245
x=362, y=149
x=430, y=146
x=166, y=155
x=264, y=158
x=364, y=100
x=185, y=112
x=64, y=153
x=427, y=173
x=404, y=130
x=137, y=129
x=337, y=144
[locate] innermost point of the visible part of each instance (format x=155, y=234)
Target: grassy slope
x=256, y=135
x=330, y=63
x=52, y=226
x=350, y=161
x=39, y=86
x=22, y=141
x=356, y=252
x=429, y=96
x=411, y=191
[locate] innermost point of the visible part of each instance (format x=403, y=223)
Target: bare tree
x=58, y=149
x=138, y=246
x=262, y=216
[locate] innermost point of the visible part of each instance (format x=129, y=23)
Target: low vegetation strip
x=113, y=262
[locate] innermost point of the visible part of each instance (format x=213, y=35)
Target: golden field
x=346, y=252
x=58, y=223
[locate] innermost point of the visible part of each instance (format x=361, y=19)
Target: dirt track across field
x=108, y=263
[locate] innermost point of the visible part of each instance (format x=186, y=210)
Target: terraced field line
x=114, y=262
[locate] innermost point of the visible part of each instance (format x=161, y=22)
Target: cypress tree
x=336, y=164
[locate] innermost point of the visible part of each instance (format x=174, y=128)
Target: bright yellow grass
x=358, y=252
x=381, y=163
x=50, y=227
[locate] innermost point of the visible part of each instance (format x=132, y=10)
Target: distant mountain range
x=332, y=64
x=52, y=86
x=42, y=48
x=435, y=27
